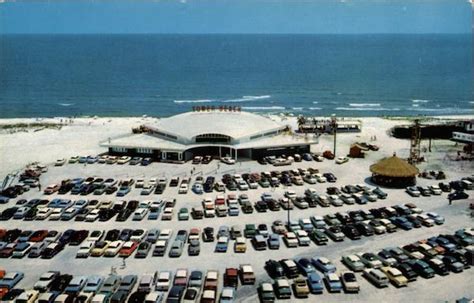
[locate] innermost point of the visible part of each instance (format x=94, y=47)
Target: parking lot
x=457, y=216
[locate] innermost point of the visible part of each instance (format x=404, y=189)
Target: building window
x=144, y=151
x=119, y=149
x=212, y=138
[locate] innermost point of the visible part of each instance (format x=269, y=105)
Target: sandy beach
x=82, y=137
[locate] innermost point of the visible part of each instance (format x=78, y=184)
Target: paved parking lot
x=439, y=289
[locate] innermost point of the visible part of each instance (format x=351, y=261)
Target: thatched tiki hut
x=394, y=172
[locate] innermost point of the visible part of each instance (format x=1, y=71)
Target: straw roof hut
x=394, y=172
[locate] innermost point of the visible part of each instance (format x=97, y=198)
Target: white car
x=139, y=214
x=348, y=199
x=123, y=160
x=43, y=213
x=164, y=281
x=334, y=199
x=165, y=234
x=341, y=160
x=113, y=248
x=60, y=162
x=167, y=213
x=290, y=239
x=55, y=214
x=303, y=239
x=308, y=178
x=435, y=190
x=85, y=249
x=413, y=191
x=242, y=185
x=290, y=194
x=228, y=160
x=183, y=189
x=93, y=215
x=320, y=178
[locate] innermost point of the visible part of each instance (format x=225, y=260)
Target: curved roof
x=394, y=167
x=232, y=124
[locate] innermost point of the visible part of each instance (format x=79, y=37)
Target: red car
x=38, y=235
x=127, y=249
x=7, y=251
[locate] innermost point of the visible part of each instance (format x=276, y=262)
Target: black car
x=137, y=297
x=406, y=269
x=261, y=206
x=422, y=269
x=106, y=214
x=330, y=177
x=112, y=235
x=438, y=266
x=364, y=229
x=452, y=264
x=50, y=252
x=66, y=237
x=30, y=214
x=414, y=221
x=78, y=237
x=175, y=294
x=208, y=234
x=273, y=205
x=351, y=232
x=197, y=214
x=119, y=297
x=160, y=188
x=8, y=213
x=11, y=235
x=12, y=294
x=458, y=195
x=60, y=283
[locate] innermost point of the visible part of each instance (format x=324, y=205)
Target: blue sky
x=237, y=16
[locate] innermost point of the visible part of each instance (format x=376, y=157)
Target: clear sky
x=236, y=16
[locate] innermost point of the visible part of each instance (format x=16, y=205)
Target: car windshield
x=349, y=277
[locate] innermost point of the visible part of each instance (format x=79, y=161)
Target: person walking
x=450, y=201
x=39, y=186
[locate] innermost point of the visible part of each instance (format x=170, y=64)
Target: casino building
x=237, y=134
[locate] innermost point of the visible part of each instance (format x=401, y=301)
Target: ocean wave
x=66, y=104
x=367, y=109
x=194, y=101
x=296, y=108
x=315, y=108
x=364, y=104
x=420, y=101
x=315, y=102
x=446, y=110
x=415, y=105
x=263, y=107
x=472, y=102
x=247, y=99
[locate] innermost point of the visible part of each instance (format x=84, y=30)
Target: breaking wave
x=263, y=107
x=420, y=101
x=364, y=104
x=368, y=109
x=66, y=104
x=315, y=108
x=247, y=99
x=194, y=101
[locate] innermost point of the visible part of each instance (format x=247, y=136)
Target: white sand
x=82, y=138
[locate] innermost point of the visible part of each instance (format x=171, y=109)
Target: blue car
x=273, y=241
x=222, y=244
x=123, y=191
x=323, y=264
x=315, y=283
x=333, y=283
x=11, y=279
x=402, y=222
x=305, y=266
x=145, y=161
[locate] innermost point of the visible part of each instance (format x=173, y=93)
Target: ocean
x=161, y=75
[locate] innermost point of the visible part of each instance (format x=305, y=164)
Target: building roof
x=394, y=167
x=232, y=124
